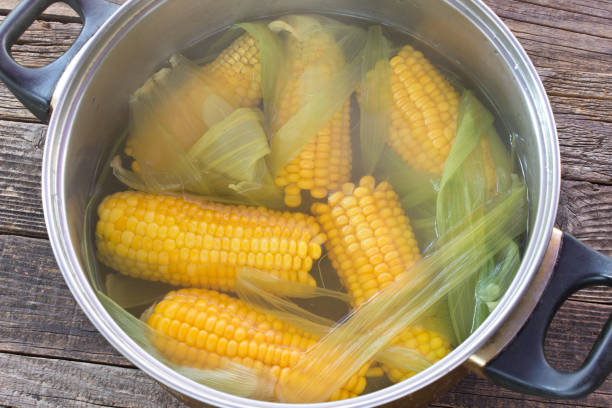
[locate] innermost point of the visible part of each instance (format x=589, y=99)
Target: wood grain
x=56, y=12
x=41, y=382
x=474, y=391
x=39, y=316
x=21, y=149
x=553, y=36
x=51, y=355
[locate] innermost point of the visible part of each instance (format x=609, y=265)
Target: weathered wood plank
x=585, y=211
x=41, y=44
x=579, y=84
x=561, y=34
x=44, y=42
x=41, y=303
x=569, y=43
x=58, y=11
x=596, y=8
x=41, y=382
x=567, y=344
x=586, y=154
x=38, y=315
x=474, y=391
x=12, y=109
x=21, y=148
x=557, y=48
x=595, y=22
x=586, y=149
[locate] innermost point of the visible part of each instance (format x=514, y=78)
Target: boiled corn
x=325, y=162
x=371, y=245
x=235, y=75
x=168, y=239
x=206, y=327
x=428, y=344
x=424, y=113
x=370, y=241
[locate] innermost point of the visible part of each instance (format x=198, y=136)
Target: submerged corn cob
x=186, y=104
x=370, y=241
x=428, y=344
x=235, y=74
x=325, y=162
x=202, y=244
x=424, y=113
x=371, y=244
x=207, y=327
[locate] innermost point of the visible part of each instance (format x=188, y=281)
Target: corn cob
x=235, y=74
x=424, y=113
x=428, y=344
x=208, y=326
x=168, y=239
x=370, y=241
x=371, y=244
x=325, y=162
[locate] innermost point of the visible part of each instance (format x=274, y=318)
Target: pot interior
x=91, y=113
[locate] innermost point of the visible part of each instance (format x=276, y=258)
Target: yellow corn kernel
x=235, y=74
x=148, y=236
x=374, y=234
x=424, y=113
x=325, y=162
x=376, y=246
x=427, y=344
x=236, y=331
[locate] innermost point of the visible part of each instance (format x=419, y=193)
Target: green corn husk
x=258, y=290
x=463, y=188
x=322, y=97
x=227, y=163
x=493, y=282
x=227, y=376
x=273, y=64
x=186, y=139
x=373, y=325
x=417, y=192
x=235, y=148
x=375, y=98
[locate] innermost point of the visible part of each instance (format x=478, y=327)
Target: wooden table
x=51, y=355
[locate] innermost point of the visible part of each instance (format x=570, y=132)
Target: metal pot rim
x=66, y=99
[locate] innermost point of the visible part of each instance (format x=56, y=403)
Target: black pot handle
x=34, y=86
x=522, y=366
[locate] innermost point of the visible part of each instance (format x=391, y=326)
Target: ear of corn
x=235, y=75
x=371, y=245
x=424, y=344
x=210, y=328
x=226, y=164
x=424, y=114
x=313, y=59
x=375, y=324
x=370, y=241
x=412, y=351
x=168, y=239
x=176, y=105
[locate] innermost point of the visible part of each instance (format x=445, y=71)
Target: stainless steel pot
x=87, y=91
